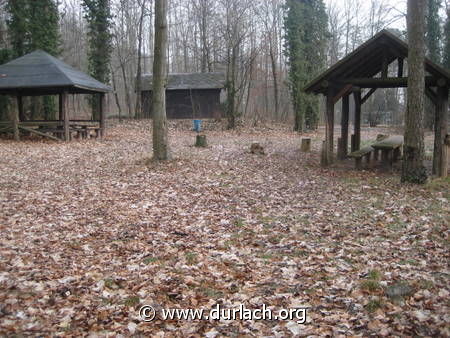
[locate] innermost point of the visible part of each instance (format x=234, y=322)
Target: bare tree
x=160, y=135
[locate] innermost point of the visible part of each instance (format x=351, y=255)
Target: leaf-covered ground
x=91, y=230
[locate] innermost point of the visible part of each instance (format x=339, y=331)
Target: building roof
x=183, y=81
x=367, y=60
x=39, y=73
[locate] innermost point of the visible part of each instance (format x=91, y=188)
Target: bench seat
x=358, y=155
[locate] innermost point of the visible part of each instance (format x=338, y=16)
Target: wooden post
x=20, y=107
x=306, y=145
x=61, y=102
x=340, y=148
x=323, y=154
x=440, y=162
x=386, y=159
x=329, y=129
x=65, y=115
x=445, y=159
x=400, y=67
x=15, y=121
x=357, y=126
x=343, y=150
x=102, y=115
x=352, y=143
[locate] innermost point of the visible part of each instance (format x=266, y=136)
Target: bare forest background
x=209, y=35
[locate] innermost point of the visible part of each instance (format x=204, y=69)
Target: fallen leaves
x=91, y=231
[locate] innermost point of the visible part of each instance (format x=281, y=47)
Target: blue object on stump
x=198, y=125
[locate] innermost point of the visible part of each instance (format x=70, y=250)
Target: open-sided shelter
x=38, y=74
x=365, y=70
x=188, y=95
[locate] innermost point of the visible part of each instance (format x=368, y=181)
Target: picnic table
x=390, y=149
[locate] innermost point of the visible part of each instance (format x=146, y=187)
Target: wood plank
x=34, y=131
x=390, y=143
x=361, y=152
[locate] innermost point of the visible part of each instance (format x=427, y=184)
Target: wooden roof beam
x=344, y=91
x=393, y=82
x=368, y=95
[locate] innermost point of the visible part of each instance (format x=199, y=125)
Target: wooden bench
x=358, y=155
x=85, y=131
x=390, y=150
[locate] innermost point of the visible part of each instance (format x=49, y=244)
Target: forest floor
x=91, y=231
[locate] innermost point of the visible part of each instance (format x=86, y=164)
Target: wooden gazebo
x=366, y=69
x=38, y=74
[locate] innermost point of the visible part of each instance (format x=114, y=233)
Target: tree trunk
x=160, y=138
x=413, y=170
x=138, y=107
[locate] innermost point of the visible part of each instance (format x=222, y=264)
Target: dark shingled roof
x=366, y=61
x=188, y=81
x=39, y=73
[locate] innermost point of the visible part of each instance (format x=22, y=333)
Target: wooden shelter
x=38, y=74
x=188, y=95
x=360, y=74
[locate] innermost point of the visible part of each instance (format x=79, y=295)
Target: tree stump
x=444, y=162
x=306, y=145
x=256, y=148
x=323, y=155
x=341, y=151
x=200, y=141
x=353, y=143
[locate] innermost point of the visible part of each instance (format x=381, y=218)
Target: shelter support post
x=440, y=156
x=61, y=102
x=357, y=125
x=20, y=107
x=329, y=129
x=343, y=150
x=102, y=114
x=400, y=62
x=65, y=115
x=14, y=115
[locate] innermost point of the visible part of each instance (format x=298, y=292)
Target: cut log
x=200, y=141
x=306, y=145
x=256, y=148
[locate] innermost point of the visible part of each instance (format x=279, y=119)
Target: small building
x=40, y=74
x=188, y=95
